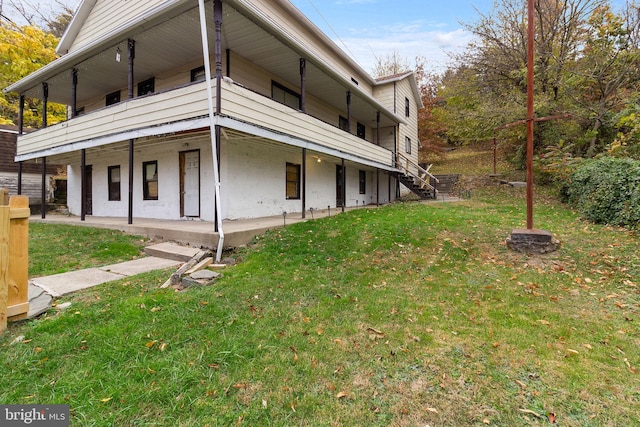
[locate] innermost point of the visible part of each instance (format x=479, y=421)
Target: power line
x=332, y=30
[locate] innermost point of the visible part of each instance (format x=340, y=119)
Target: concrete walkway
x=42, y=290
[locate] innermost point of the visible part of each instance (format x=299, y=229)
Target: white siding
x=102, y=18
x=291, y=26
x=168, y=204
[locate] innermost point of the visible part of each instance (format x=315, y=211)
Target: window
x=363, y=182
x=285, y=96
x=407, y=145
x=361, y=131
x=113, y=176
x=112, y=98
x=407, y=110
x=147, y=86
x=198, y=74
x=293, y=181
x=150, y=180
x=343, y=124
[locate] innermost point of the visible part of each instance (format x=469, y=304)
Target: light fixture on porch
x=118, y=54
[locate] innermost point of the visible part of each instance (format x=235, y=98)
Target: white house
x=282, y=119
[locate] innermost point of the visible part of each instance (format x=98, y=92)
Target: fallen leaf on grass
x=552, y=418
x=106, y=399
x=530, y=412
x=543, y=322
x=434, y=410
x=341, y=395
x=571, y=352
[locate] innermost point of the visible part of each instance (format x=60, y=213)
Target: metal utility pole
x=530, y=112
x=529, y=240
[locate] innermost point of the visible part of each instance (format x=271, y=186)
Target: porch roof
x=169, y=34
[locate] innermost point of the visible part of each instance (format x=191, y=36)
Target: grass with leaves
x=406, y=315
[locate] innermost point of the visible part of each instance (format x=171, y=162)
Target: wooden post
x=18, y=299
x=4, y=257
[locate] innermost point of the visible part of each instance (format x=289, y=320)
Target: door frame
x=182, y=171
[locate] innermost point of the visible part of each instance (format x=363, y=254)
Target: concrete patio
x=195, y=232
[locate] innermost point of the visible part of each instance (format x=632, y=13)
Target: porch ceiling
x=175, y=39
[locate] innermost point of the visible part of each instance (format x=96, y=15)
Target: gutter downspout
x=212, y=124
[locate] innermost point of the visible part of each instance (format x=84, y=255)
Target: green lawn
x=407, y=315
x=55, y=248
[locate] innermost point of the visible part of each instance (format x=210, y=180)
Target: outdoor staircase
x=416, y=188
x=416, y=178
x=446, y=183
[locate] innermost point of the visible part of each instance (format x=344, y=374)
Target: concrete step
x=173, y=251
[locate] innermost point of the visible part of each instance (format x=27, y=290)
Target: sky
x=370, y=29
x=366, y=29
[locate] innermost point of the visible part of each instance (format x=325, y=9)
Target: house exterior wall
x=292, y=25
x=253, y=176
x=260, y=135
x=168, y=204
x=101, y=20
x=31, y=171
x=409, y=130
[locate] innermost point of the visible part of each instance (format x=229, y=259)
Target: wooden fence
x=14, y=257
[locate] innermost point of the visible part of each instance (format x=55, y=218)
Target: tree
x=606, y=70
x=55, y=19
x=23, y=50
x=586, y=63
x=390, y=65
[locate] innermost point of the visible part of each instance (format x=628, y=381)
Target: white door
x=190, y=162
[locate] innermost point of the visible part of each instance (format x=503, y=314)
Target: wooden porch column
x=344, y=185
x=19, y=178
x=349, y=111
x=304, y=183
x=130, y=196
x=303, y=85
x=83, y=184
x=377, y=187
x=217, y=135
x=43, y=193
x=21, y=116
x=45, y=98
x=74, y=92
x=131, y=48
x=20, y=132
x=378, y=128
x=217, y=19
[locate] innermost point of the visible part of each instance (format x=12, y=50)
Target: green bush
x=607, y=191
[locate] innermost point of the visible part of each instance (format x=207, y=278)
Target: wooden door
x=190, y=183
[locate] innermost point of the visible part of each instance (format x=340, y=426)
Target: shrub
x=607, y=190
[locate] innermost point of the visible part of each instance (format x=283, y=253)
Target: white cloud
x=410, y=41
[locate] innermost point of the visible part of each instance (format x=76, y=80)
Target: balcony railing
x=149, y=112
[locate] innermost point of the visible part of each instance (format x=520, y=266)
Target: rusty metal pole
x=530, y=112
x=494, y=152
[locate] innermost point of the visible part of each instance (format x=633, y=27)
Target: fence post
x=4, y=258
x=18, y=300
